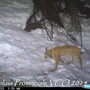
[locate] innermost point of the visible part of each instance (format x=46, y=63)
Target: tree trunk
x=74, y=17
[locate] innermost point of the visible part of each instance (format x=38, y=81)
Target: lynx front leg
x=55, y=67
x=61, y=63
x=57, y=63
x=56, y=58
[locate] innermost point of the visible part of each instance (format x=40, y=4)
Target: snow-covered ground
x=22, y=53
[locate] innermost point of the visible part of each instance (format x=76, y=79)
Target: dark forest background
x=49, y=12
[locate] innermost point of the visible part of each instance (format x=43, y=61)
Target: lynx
x=57, y=52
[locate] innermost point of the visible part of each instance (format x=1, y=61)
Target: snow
x=22, y=53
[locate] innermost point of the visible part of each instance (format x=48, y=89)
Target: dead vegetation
x=50, y=10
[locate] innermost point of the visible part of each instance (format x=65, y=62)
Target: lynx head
x=47, y=53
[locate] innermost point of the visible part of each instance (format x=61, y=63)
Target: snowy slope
x=22, y=53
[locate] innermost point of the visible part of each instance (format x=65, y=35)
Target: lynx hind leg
x=78, y=58
x=80, y=61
